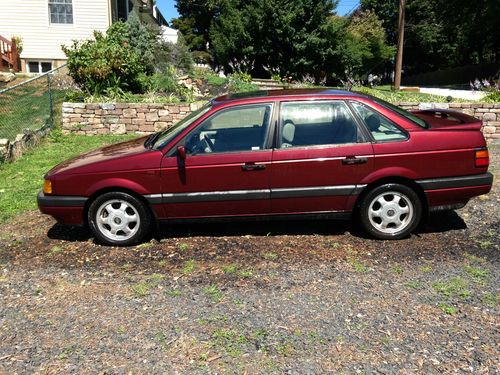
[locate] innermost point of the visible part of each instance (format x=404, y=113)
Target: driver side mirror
x=181, y=152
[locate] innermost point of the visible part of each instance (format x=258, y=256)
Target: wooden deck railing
x=8, y=53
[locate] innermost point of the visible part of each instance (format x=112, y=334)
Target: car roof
x=281, y=94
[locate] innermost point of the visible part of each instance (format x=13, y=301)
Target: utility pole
x=401, y=37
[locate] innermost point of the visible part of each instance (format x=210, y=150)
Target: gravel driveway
x=289, y=297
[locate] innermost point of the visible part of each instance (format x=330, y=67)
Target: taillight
x=481, y=157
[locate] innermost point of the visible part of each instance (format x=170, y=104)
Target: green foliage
x=442, y=33
x=143, y=39
x=106, y=62
x=493, y=97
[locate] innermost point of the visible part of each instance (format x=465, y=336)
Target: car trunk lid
x=443, y=119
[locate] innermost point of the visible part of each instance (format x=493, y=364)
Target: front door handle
x=351, y=160
x=253, y=167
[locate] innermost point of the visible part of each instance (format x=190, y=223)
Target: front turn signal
x=47, y=187
x=481, y=158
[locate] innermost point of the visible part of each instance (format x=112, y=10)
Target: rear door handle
x=351, y=160
x=253, y=167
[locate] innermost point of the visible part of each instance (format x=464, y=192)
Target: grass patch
x=141, y=289
x=473, y=258
x=173, y=293
x=270, y=255
x=397, y=270
x=55, y=250
x=358, y=266
x=490, y=299
x=478, y=274
x=189, y=267
x=232, y=269
x=213, y=293
x=455, y=287
x=22, y=180
x=413, y=285
x=230, y=340
x=447, y=309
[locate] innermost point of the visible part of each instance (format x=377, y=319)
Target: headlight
x=47, y=187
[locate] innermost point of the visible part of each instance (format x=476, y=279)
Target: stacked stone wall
x=145, y=118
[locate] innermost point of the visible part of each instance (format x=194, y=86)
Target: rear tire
x=119, y=219
x=390, y=211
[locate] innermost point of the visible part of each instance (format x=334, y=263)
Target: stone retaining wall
x=143, y=118
x=122, y=118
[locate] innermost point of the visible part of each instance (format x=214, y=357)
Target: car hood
x=121, y=156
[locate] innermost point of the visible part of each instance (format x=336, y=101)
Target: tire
x=390, y=211
x=119, y=219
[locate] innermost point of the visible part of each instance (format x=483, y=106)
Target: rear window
x=408, y=115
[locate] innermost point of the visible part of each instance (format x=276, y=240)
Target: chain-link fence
x=32, y=104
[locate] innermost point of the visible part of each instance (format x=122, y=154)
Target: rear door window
x=317, y=123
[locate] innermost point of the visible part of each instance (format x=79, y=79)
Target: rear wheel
x=390, y=211
x=119, y=219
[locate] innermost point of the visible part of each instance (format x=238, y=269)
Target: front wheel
x=119, y=219
x=390, y=211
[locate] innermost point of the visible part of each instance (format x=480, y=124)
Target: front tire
x=390, y=211
x=119, y=219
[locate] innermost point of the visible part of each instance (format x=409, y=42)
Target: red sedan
x=277, y=154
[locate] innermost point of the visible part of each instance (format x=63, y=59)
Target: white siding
x=29, y=19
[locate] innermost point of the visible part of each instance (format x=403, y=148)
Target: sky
x=167, y=7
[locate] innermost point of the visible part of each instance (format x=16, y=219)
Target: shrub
x=105, y=63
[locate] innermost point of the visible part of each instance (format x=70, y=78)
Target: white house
x=44, y=25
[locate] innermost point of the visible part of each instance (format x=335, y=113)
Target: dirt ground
x=301, y=297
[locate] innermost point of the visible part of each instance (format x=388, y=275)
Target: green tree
x=279, y=36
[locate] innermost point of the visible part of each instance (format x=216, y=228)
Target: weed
x=162, y=263
x=230, y=340
x=214, y=293
x=284, y=349
x=189, y=267
x=173, y=293
x=127, y=266
x=479, y=274
x=452, y=288
x=270, y=255
x=67, y=352
x=55, y=250
x=358, y=266
x=121, y=330
x=447, y=309
x=413, y=284
x=183, y=247
x=491, y=299
x=426, y=269
x=144, y=245
x=141, y=289
x=155, y=278
x=230, y=269
x=474, y=259
x=245, y=273
x=484, y=244
x=397, y=270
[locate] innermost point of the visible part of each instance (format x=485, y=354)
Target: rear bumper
x=65, y=209
x=455, y=192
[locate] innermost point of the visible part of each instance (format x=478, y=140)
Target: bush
x=105, y=63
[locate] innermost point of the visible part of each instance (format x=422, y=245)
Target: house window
x=39, y=66
x=61, y=11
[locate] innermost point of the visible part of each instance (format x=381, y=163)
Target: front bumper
x=65, y=209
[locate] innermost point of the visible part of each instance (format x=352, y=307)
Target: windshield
x=168, y=134
x=410, y=116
